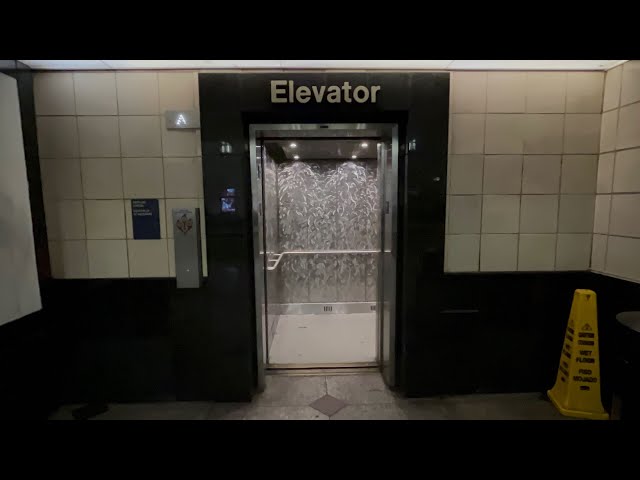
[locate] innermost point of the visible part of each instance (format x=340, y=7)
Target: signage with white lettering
x=285, y=91
x=145, y=215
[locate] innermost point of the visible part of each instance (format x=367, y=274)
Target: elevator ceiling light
x=364, y=144
x=293, y=145
x=296, y=157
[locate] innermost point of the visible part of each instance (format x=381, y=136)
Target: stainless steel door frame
x=385, y=323
x=387, y=264
x=257, y=213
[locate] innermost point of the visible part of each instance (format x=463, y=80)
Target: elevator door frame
x=386, y=357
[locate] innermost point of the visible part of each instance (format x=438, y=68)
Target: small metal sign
x=179, y=119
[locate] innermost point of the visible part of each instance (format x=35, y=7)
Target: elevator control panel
x=228, y=201
x=188, y=248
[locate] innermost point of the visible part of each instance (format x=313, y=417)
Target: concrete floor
x=337, y=397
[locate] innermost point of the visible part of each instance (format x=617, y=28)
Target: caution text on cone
x=576, y=392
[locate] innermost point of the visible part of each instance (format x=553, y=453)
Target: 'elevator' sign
x=284, y=91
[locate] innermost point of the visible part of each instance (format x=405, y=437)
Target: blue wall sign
x=146, y=219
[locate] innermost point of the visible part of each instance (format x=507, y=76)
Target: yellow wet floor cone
x=577, y=389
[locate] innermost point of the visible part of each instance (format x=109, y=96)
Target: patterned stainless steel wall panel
x=327, y=205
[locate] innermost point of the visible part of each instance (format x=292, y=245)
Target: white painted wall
x=19, y=289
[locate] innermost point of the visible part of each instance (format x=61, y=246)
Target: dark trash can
x=626, y=385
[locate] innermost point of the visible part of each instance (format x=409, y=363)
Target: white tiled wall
x=616, y=242
x=103, y=142
x=523, y=169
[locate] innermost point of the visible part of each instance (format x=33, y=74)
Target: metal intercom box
x=188, y=248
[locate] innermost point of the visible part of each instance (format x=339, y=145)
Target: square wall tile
x=625, y=215
x=539, y=214
x=140, y=136
x=105, y=219
x=626, y=176
x=573, y=251
x=579, y=173
x=138, y=93
x=69, y=259
x=504, y=134
x=162, y=214
x=178, y=143
x=148, y=258
x=183, y=177
x=609, y=131
x=61, y=178
x=64, y=219
x=99, y=137
x=464, y=213
x=628, y=135
x=541, y=174
x=177, y=91
x=172, y=256
x=102, y=178
x=55, y=259
x=499, y=253
x=546, y=92
x=537, y=253
x=598, y=253
x=468, y=92
x=57, y=137
x=612, y=84
x=463, y=253
x=108, y=258
x=95, y=93
x=506, y=92
x=465, y=174
x=582, y=133
x=601, y=215
x=543, y=133
x=630, y=91
x=576, y=213
x=502, y=174
x=143, y=177
x=500, y=213
x=605, y=173
x=584, y=92
x=622, y=257
x=53, y=93
x=467, y=133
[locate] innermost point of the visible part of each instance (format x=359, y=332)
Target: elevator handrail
x=306, y=252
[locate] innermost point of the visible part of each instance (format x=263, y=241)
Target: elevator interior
x=324, y=218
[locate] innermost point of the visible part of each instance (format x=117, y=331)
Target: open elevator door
x=387, y=153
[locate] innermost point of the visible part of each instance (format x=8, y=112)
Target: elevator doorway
x=325, y=215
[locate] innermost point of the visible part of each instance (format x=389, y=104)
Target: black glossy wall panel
x=229, y=103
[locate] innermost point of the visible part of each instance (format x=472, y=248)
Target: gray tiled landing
x=338, y=397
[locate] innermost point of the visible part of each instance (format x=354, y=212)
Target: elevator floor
x=324, y=339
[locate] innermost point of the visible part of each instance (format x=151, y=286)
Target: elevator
x=324, y=200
